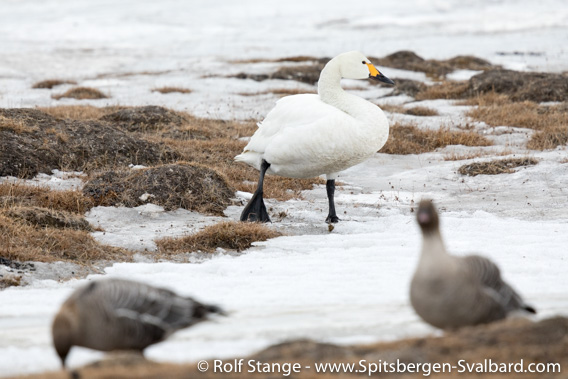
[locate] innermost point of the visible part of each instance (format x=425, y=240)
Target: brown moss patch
x=166, y=90
x=521, y=86
x=145, y=118
x=81, y=93
x=172, y=186
x=70, y=145
x=495, y=167
x=229, y=235
x=50, y=83
x=409, y=139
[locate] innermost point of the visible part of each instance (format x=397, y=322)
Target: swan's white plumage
x=310, y=135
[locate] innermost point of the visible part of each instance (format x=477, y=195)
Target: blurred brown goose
x=117, y=314
x=449, y=291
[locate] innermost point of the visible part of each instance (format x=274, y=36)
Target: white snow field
x=349, y=285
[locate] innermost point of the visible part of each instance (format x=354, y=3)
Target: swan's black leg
x=255, y=210
x=330, y=188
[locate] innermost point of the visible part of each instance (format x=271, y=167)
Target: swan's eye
x=363, y=62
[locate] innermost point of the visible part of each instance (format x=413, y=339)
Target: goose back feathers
x=117, y=314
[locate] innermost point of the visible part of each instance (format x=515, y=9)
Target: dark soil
x=48, y=143
x=44, y=217
x=172, y=186
x=506, y=342
x=502, y=166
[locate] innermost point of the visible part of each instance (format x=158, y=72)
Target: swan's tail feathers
x=255, y=211
x=529, y=308
x=251, y=158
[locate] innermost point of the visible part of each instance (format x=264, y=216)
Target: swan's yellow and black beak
x=375, y=74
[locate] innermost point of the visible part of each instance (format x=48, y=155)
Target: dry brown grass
x=409, y=139
x=414, y=111
x=280, y=92
x=495, y=167
x=50, y=83
x=165, y=90
x=10, y=281
x=43, y=225
x=79, y=112
x=550, y=122
x=229, y=235
x=81, y=93
x=17, y=126
x=19, y=195
x=21, y=241
x=444, y=90
x=549, y=137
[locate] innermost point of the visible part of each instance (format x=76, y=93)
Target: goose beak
x=375, y=74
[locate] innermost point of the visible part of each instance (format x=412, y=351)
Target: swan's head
x=354, y=65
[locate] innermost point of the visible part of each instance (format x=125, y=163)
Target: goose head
x=427, y=217
x=62, y=332
x=354, y=65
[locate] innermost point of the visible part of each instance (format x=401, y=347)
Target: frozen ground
x=346, y=286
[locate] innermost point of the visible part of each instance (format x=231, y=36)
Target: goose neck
x=433, y=248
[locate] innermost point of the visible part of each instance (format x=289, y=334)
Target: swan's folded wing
x=291, y=116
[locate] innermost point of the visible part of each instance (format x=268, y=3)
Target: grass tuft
x=414, y=111
x=50, y=83
x=229, y=235
x=19, y=195
x=81, y=93
x=166, y=90
x=550, y=122
x=409, y=139
x=495, y=167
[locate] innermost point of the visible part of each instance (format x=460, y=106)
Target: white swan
x=305, y=136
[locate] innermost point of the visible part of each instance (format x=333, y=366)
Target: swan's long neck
x=329, y=85
x=330, y=92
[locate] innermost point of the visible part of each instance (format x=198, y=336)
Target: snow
x=349, y=285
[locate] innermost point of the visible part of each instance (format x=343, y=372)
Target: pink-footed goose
x=118, y=314
x=448, y=291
